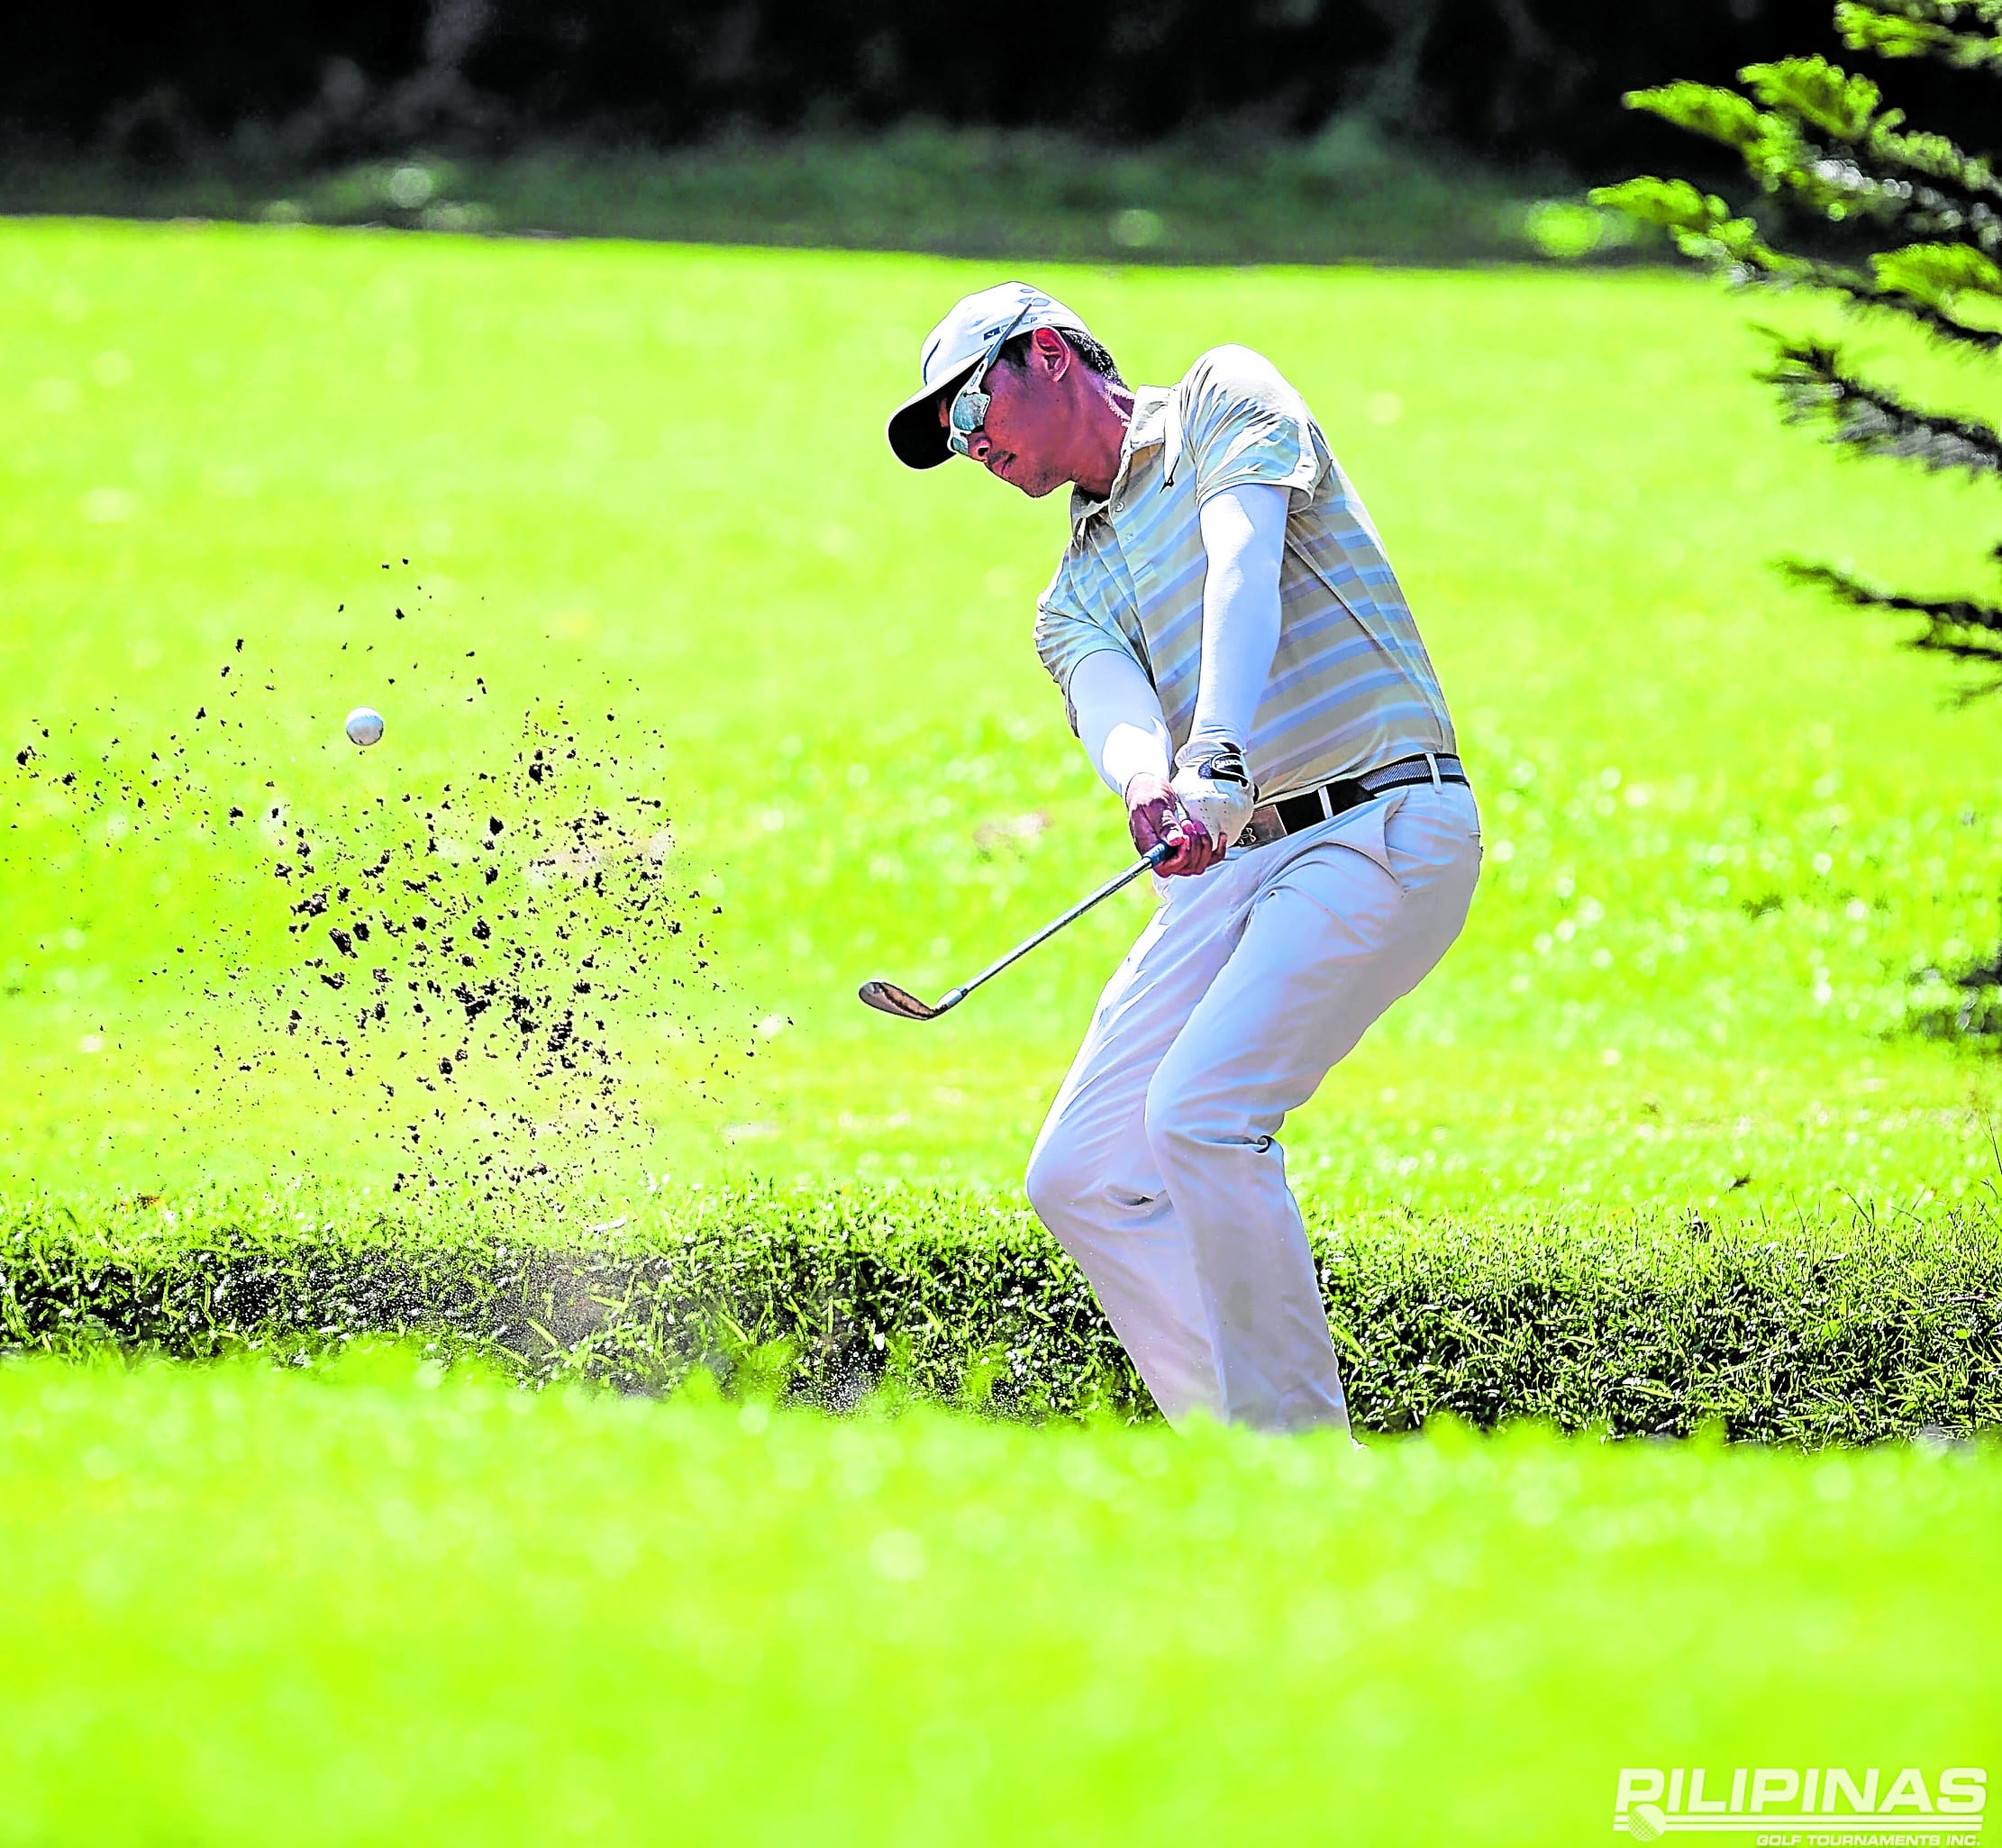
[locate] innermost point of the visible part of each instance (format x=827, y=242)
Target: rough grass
x=380, y=1607
x=1836, y=1332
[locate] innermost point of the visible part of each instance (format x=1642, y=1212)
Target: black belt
x=1312, y=807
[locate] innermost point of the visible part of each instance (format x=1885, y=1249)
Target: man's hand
x=1154, y=813
x=1214, y=790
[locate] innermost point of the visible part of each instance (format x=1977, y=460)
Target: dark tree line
x=1519, y=79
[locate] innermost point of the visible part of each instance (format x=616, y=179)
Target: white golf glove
x=1211, y=782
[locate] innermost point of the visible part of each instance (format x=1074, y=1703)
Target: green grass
x=380, y=1607
x=1723, y=822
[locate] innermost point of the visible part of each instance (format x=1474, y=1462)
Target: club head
x=887, y=997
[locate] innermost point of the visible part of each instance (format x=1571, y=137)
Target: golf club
x=888, y=998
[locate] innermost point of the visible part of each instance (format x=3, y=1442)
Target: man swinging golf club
x=1238, y=661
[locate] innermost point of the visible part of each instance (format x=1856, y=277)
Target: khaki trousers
x=1159, y=1170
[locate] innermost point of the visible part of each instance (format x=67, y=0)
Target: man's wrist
x=1205, y=746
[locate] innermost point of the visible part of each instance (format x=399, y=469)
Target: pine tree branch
x=1926, y=29
x=1910, y=197
x=1821, y=136
x=1940, y=163
x=1931, y=187
x=1749, y=265
x=1914, y=283
x=1872, y=419
x=1919, y=186
x=1957, y=628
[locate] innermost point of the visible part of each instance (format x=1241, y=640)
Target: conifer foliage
x=1910, y=228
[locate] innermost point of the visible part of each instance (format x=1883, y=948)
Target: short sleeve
x=1243, y=423
x=1067, y=632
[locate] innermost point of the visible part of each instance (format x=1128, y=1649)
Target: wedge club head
x=888, y=998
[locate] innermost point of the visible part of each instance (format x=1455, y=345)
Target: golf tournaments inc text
x=1785, y=1808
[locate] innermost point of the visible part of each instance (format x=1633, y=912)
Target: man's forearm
x=1119, y=719
x=1244, y=536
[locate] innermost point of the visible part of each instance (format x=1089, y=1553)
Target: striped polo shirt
x=1351, y=686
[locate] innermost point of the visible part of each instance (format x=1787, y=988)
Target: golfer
x=1237, y=659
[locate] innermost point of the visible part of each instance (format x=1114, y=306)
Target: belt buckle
x=1263, y=828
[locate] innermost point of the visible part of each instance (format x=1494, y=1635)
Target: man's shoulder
x=1241, y=419
x=1231, y=371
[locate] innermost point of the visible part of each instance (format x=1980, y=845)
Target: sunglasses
x=968, y=415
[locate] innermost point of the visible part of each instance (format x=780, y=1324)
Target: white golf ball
x=364, y=725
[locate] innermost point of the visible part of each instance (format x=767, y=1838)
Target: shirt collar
x=1147, y=429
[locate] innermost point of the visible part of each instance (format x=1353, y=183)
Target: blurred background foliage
x=1175, y=131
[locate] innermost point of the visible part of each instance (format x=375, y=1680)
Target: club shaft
x=1119, y=880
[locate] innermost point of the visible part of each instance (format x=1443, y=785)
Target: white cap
x=953, y=348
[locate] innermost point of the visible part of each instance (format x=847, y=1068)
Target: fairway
x=647, y=485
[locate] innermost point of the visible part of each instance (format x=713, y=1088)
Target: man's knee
x=1056, y=1178
x=1081, y=1184
x=1188, y=1121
